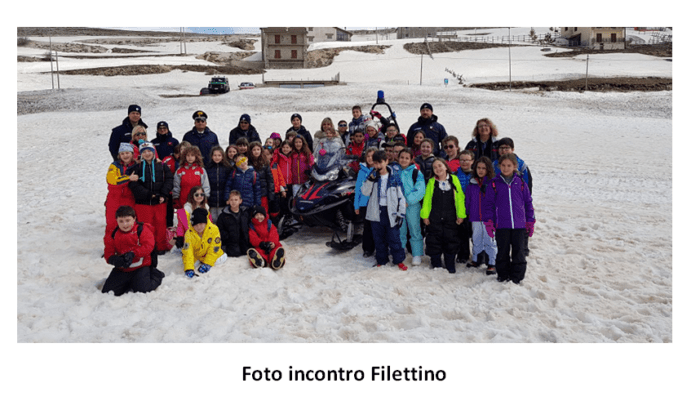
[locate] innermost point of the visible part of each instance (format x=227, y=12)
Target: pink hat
x=275, y=135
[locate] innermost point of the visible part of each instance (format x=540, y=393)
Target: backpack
x=139, y=230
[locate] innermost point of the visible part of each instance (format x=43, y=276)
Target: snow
x=600, y=269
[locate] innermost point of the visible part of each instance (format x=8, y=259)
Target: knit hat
x=135, y=107
x=426, y=106
x=244, y=117
x=241, y=160
x=199, y=215
x=147, y=146
x=296, y=115
x=126, y=147
x=275, y=135
x=258, y=209
x=162, y=124
x=199, y=114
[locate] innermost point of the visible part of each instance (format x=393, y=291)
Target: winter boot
x=491, y=269
x=255, y=259
x=278, y=259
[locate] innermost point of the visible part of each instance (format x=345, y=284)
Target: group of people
x=416, y=193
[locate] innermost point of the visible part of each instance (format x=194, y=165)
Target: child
x=442, y=212
x=266, y=249
x=374, y=140
x=506, y=146
x=283, y=159
x=414, y=190
x=417, y=141
x=450, y=146
x=218, y=172
x=276, y=140
x=464, y=173
x=173, y=163
x=356, y=148
x=242, y=146
x=129, y=248
x=427, y=158
x=360, y=203
x=202, y=248
x=514, y=220
x=190, y=173
x=479, y=204
x=244, y=179
x=280, y=186
x=231, y=152
x=299, y=129
x=358, y=120
x=393, y=135
x=302, y=161
x=196, y=199
x=151, y=190
x=386, y=209
x=233, y=225
x=264, y=174
x=118, y=192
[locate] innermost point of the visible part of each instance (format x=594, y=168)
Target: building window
x=311, y=29
x=294, y=39
x=278, y=54
x=310, y=38
x=575, y=29
x=598, y=37
x=294, y=54
x=277, y=38
x=613, y=37
x=329, y=36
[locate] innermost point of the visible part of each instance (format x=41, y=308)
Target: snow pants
x=510, y=260
x=464, y=231
x=387, y=239
x=144, y=279
x=367, y=237
x=156, y=216
x=482, y=242
x=436, y=261
x=412, y=224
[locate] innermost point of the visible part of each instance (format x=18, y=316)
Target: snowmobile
x=327, y=200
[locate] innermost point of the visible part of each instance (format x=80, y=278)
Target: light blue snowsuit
x=413, y=193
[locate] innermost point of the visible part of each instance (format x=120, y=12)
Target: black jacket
x=432, y=129
x=165, y=144
x=218, y=175
x=234, y=231
x=426, y=166
x=306, y=134
x=121, y=133
x=488, y=149
x=204, y=141
x=251, y=134
x=155, y=180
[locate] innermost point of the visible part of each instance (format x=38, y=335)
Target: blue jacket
x=413, y=191
x=247, y=183
x=523, y=171
x=218, y=175
x=204, y=141
x=361, y=200
x=121, y=133
x=464, y=181
x=432, y=129
x=165, y=144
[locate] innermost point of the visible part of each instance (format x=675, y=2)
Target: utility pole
x=421, y=69
x=587, y=71
x=376, y=34
x=58, y=74
x=510, y=74
x=51, y=61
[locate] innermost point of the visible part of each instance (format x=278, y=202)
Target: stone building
x=595, y=38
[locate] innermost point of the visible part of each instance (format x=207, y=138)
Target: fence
x=499, y=39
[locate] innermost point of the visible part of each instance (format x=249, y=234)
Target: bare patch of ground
x=162, y=69
x=448, y=46
x=243, y=44
x=594, y=84
x=324, y=57
x=650, y=50
x=224, y=58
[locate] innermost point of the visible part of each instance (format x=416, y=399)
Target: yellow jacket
x=206, y=248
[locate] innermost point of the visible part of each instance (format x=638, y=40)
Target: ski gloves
x=530, y=227
x=267, y=246
x=490, y=229
x=121, y=261
x=203, y=268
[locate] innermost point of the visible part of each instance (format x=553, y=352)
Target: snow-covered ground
x=599, y=270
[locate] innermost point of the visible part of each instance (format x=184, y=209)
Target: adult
x=343, y=132
x=201, y=136
x=164, y=141
x=485, y=142
x=122, y=133
x=427, y=122
x=299, y=129
x=243, y=130
x=330, y=144
x=326, y=126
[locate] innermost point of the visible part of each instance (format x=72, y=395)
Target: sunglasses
x=342, y=125
x=450, y=146
x=198, y=195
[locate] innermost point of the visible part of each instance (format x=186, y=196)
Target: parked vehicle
x=219, y=85
x=246, y=85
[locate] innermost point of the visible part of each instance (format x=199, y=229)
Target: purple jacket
x=479, y=200
x=512, y=204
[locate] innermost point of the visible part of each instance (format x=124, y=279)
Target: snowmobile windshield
x=328, y=166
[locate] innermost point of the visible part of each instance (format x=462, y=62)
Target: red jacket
x=355, y=150
x=187, y=177
x=118, y=192
x=284, y=165
x=263, y=232
x=124, y=242
x=300, y=164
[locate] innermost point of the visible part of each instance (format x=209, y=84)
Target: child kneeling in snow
x=267, y=250
x=202, y=247
x=129, y=248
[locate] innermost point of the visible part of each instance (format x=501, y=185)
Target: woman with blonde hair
x=485, y=142
x=326, y=125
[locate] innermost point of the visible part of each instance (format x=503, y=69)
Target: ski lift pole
x=587, y=56
x=51, y=61
x=58, y=74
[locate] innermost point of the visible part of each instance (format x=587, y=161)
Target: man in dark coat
x=122, y=133
x=164, y=141
x=201, y=136
x=301, y=130
x=243, y=130
x=427, y=122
